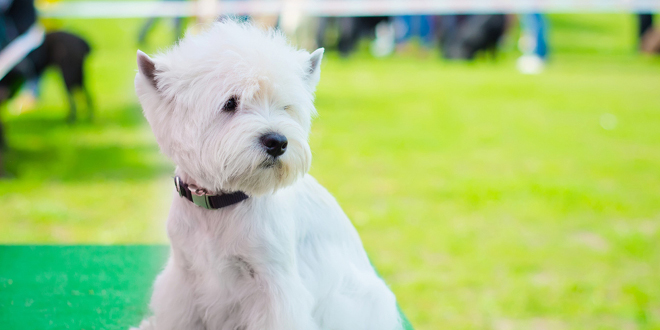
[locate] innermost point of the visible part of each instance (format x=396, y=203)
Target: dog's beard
x=268, y=176
x=262, y=173
x=271, y=162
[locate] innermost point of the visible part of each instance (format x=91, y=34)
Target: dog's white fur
x=287, y=258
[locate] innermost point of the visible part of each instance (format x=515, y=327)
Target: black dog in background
x=62, y=50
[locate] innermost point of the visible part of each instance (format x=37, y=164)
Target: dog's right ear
x=314, y=69
x=147, y=68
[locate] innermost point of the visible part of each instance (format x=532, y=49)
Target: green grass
x=487, y=199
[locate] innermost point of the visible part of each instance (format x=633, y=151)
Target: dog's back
x=68, y=52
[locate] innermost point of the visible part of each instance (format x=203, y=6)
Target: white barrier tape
x=19, y=48
x=126, y=9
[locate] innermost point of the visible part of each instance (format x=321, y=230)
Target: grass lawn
x=487, y=199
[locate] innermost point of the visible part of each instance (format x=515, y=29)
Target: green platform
x=76, y=287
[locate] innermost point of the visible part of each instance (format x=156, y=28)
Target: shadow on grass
x=114, y=147
x=102, y=163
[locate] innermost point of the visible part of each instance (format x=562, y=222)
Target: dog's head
x=232, y=106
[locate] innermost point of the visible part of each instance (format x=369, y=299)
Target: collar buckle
x=200, y=196
x=202, y=201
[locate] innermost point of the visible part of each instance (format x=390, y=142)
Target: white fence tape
x=126, y=9
x=19, y=48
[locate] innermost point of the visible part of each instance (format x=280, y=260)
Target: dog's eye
x=287, y=107
x=230, y=105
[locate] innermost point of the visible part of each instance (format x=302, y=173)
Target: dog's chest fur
x=234, y=253
x=231, y=253
x=295, y=245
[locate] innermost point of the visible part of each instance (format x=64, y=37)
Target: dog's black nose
x=274, y=143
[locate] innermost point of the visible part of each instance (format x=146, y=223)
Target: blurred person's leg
x=645, y=23
x=347, y=35
x=32, y=86
x=384, y=35
x=448, y=32
x=533, y=43
x=538, y=31
x=29, y=94
x=146, y=28
x=178, y=28
x=321, y=31
x=151, y=22
x=427, y=31
x=403, y=31
x=27, y=89
x=648, y=37
x=403, y=26
x=244, y=17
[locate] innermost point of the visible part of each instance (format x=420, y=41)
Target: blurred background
x=500, y=159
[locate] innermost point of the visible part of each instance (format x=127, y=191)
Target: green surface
x=486, y=199
x=77, y=287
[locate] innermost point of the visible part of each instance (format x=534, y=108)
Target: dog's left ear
x=314, y=73
x=147, y=68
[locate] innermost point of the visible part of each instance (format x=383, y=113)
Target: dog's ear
x=314, y=70
x=147, y=68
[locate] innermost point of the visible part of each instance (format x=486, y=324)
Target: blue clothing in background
x=536, y=26
x=421, y=26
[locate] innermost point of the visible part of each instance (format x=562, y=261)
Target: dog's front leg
x=172, y=301
x=289, y=303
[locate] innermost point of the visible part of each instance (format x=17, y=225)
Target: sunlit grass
x=487, y=199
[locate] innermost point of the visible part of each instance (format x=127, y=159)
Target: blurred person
x=448, y=29
x=151, y=22
x=341, y=28
x=645, y=23
x=345, y=31
x=296, y=24
x=240, y=17
x=464, y=36
x=649, y=37
x=533, y=43
x=384, y=39
x=18, y=16
x=409, y=27
x=350, y=30
x=17, y=21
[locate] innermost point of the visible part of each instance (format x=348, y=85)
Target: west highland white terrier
x=257, y=243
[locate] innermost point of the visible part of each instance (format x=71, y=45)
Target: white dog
x=257, y=244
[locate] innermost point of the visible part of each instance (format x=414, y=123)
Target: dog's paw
x=146, y=324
